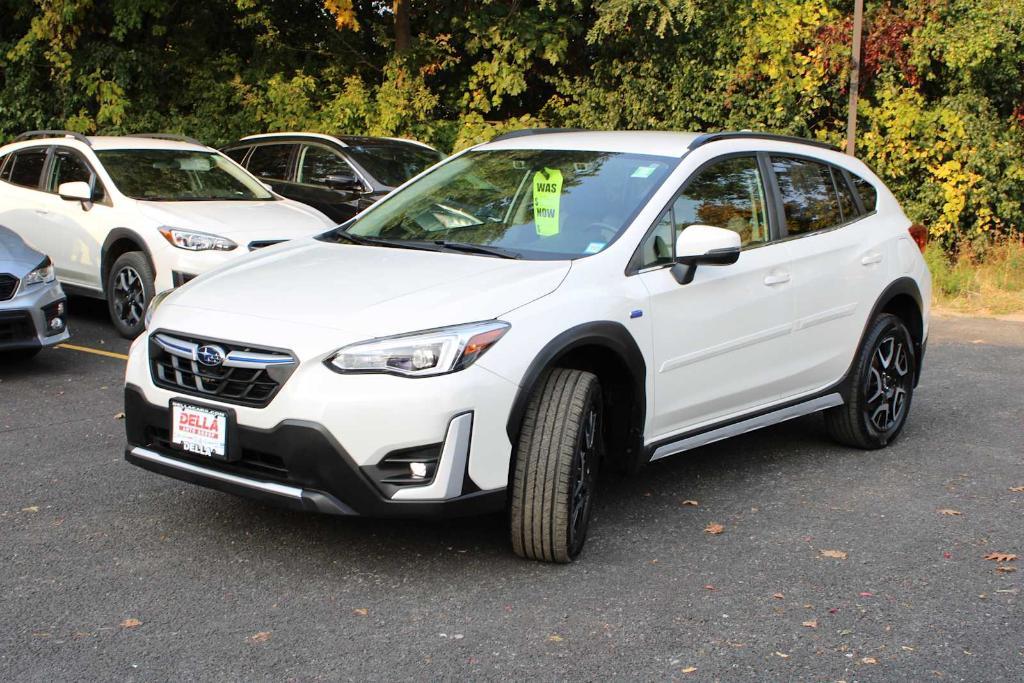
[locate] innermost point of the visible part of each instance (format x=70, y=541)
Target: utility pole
x=851, y=120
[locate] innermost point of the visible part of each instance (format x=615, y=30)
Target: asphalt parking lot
x=110, y=572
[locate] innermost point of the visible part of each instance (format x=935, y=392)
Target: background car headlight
x=153, y=304
x=193, y=240
x=41, y=274
x=420, y=354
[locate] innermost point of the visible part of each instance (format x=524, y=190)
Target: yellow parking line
x=98, y=352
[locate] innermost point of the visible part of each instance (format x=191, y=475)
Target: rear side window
x=867, y=192
x=846, y=203
x=809, y=196
x=237, y=154
x=270, y=161
x=26, y=167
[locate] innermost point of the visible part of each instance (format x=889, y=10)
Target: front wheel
x=880, y=390
x=560, y=448
x=129, y=291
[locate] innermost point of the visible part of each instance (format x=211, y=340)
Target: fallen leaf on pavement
x=360, y=611
x=778, y=596
x=709, y=587
x=865, y=594
x=782, y=654
x=689, y=670
x=119, y=416
x=1001, y=557
x=261, y=637
x=950, y=513
x=1005, y=570
x=1017, y=489
x=31, y=508
x=131, y=622
x=555, y=638
x=835, y=554
x=907, y=648
x=690, y=503
x=869, y=660
x=714, y=528
x=811, y=623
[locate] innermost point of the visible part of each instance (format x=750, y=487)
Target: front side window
x=270, y=161
x=68, y=167
x=321, y=166
x=540, y=204
x=809, y=196
x=172, y=175
x=26, y=167
x=728, y=194
x=394, y=163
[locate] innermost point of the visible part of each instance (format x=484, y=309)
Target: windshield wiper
x=478, y=249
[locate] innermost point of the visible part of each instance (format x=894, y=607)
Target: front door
x=720, y=342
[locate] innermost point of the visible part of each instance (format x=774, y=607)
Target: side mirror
x=77, y=191
x=344, y=183
x=704, y=245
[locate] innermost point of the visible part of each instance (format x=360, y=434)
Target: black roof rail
x=33, y=134
x=705, y=138
x=169, y=136
x=523, y=132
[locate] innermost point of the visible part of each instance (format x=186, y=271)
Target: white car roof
x=655, y=142
x=107, y=142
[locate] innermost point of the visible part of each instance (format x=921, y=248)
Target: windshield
x=393, y=164
x=174, y=175
x=539, y=204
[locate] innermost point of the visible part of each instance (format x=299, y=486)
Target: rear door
x=840, y=264
x=720, y=342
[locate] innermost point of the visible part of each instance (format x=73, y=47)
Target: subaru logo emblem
x=210, y=355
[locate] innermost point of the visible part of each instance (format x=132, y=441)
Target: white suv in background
x=125, y=217
x=492, y=332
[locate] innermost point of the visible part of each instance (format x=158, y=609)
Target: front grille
x=248, y=386
x=8, y=286
x=16, y=327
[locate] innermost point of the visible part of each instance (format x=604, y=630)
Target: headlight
x=193, y=240
x=151, y=308
x=42, y=274
x=420, y=354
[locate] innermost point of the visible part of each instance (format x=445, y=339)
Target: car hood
x=240, y=220
x=292, y=292
x=16, y=257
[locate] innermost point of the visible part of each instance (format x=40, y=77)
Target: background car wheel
x=129, y=291
x=880, y=389
x=560, y=448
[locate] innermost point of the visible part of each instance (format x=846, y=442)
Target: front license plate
x=199, y=430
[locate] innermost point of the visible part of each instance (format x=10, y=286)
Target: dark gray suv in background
x=337, y=175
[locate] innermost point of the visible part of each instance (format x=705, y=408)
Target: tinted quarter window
x=27, y=167
x=270, y=161
x=867, y=192
x=319, y=163
x=237, y=154
x=809, y=196
x=728, y=194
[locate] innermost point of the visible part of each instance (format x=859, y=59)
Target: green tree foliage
x=942, y=86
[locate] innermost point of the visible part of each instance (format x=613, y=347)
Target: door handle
x=871, y=259
x=776, y=278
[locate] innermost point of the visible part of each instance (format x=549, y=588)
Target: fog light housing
x=406, y=467
x=55, y=320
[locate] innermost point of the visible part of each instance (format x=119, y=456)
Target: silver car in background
x=32, y=303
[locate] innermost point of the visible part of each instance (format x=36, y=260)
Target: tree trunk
x=403, y=34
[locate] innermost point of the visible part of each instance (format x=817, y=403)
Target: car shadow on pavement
x=625, y=505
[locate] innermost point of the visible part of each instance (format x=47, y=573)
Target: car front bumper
x=25, y=318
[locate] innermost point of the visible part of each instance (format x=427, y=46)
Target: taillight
x=919, y=234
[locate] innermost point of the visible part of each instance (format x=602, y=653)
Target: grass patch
x=988, y=280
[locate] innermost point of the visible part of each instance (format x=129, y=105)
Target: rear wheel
x=881, y=388
x=129, y=291
x=560, y=448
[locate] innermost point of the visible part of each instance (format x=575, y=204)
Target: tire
x=557, y=458
x=880, y=388
x=129, y=289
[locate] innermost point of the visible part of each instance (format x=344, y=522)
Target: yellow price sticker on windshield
x=547, y=196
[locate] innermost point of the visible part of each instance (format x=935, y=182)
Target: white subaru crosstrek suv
x=500, y=326
x=125, y=217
